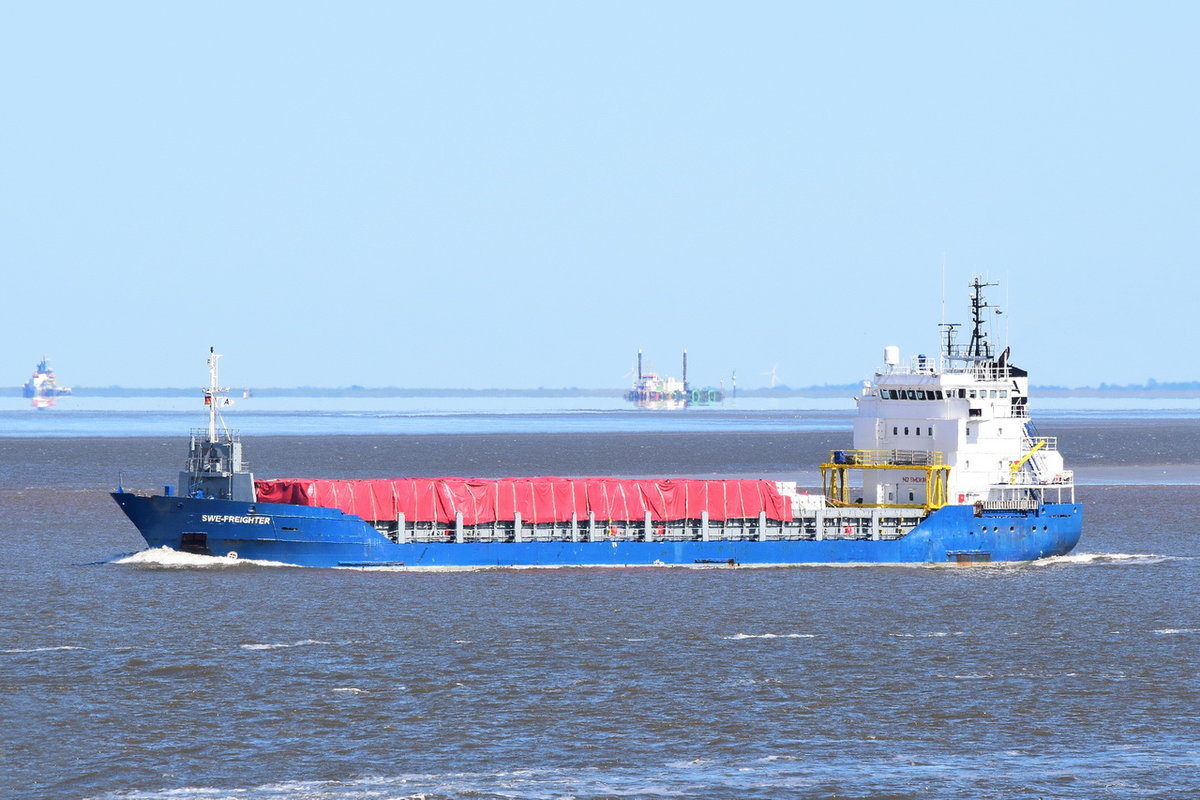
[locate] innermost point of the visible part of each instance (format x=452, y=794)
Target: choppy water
x=126, y=674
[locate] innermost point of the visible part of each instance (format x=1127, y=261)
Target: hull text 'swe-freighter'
x=946, y=468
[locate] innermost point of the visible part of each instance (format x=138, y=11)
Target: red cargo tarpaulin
x=539, y=500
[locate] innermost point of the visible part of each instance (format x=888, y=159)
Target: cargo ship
x=651, y=390
x=42, y=388
x=946, y=468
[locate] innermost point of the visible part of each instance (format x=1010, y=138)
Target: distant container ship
x=42, y=388
x=948, y=468
x=651, y=390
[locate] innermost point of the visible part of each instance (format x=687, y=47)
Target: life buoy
x=962, y=498
x=848, y=529
x=232, y=554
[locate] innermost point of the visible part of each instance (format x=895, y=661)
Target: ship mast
x=212, y=395
x=949, y=328
x=979, y=349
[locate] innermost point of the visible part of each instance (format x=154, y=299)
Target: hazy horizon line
x=1159, y=389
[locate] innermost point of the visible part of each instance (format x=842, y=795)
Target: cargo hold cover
x=539, y=500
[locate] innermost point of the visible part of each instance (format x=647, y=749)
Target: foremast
x=215, y=468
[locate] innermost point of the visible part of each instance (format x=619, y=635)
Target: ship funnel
x=891, y=355
x=685, y=369
x=639, y=365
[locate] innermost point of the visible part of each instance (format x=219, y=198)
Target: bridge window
x=895, y=430
x=920, y=394
x=906, y=431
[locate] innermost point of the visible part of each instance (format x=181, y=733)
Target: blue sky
x=523, y=194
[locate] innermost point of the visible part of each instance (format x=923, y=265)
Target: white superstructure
x=960, y=421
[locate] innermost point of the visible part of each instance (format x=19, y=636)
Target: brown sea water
x=132, y=675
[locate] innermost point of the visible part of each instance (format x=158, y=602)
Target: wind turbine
x=772, y=375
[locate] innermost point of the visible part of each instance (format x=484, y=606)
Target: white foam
x=740, y=636
x=1173, y=631
x=1103, y=558
x=41, y=649
x=166, y=557
x=350, y=690
x=281, y=646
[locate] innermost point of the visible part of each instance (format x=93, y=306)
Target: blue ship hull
x=323, y=537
